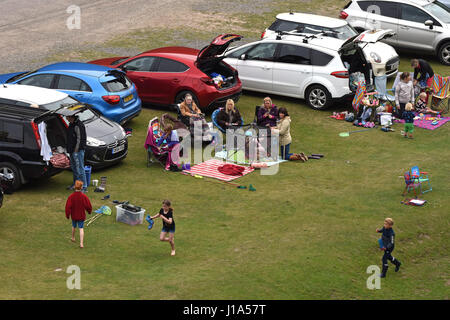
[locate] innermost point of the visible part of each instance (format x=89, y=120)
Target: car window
x=40, y=80
x=319, y=58
x=117, y=84
x=263, y=52
x=11, y=131
x=83, y=116
x=383, y=8
x=168, y=65
x=293, y=54
x=236, y=54
x=441, y=11
x=143, y=64
x=72, y=83
x=283, y=25
x=410, y=13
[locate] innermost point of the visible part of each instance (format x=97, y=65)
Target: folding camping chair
x=214, y=120
x=183, y=119
x=154, y=153
x=383, y=92
x=440, y=94
x=362, y=93
x=414, y=179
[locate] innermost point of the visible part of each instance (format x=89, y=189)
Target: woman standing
x=404, y=92
x=283, y=129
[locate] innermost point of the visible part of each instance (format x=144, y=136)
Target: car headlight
x=375, y=57
x=124, y=134
x=92, y=142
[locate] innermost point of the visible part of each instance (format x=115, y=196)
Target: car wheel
x=9, y=168
x=444, y=54
x=318, y=97
x=180, y=97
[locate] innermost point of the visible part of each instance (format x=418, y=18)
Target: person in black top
x=229, y=117
x=166, y=215
x=408, y=116
x=388, y=236
x=424, y=69
x=76, y=144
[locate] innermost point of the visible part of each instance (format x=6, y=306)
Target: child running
x=387, y=238
x=166, y=215
x=76, y=206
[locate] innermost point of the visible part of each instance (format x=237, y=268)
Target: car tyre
x=318, y=97
x=180, y=97
x=444, y=53
x=8, y=167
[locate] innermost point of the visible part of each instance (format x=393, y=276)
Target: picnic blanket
x=239, y=157
x=428, y=124
x=210, y=168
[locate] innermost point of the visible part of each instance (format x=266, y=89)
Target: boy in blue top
x=387, y=238
x=408, y=116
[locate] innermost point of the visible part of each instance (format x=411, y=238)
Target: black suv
x=20, y=143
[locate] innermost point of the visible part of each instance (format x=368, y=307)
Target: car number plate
x=118, y=149
x=128, y=98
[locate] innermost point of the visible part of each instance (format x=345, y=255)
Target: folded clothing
x=231, y=169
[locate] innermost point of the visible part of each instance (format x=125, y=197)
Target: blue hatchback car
x=109, y=91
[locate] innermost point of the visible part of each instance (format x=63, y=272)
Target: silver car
x=421, y=25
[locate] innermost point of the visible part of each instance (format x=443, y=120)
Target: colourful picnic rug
x=210, y=168
x=239, y=158
x=427, y=124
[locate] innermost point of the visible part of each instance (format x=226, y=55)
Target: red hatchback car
x=163, y=76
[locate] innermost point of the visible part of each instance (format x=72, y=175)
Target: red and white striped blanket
x=210, y=168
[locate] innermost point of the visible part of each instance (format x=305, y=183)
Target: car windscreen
x=439, y=10
x=86, y=115
x=118, y=84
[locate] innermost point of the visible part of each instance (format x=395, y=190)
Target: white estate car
x=421, y=25
x=382, y=56
x=309, y=67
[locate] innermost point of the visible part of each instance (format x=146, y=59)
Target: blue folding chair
x=214, y=119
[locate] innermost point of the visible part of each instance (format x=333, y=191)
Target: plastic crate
x=129, y=217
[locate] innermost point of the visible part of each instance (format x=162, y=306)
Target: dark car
x=107, y=143
x=164, y=76
x=20, y=149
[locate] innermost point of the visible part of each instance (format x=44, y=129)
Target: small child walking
x=166, y=215
x=387, y=238
x=76, y=206
x=408, y=116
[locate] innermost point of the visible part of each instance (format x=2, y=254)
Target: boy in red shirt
x=76, y=205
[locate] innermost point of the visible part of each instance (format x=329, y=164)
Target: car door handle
x=176, y=80
x=141, y=79
x=404, y=28
x=266, y=68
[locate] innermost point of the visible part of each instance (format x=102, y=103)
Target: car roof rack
x=306, y=36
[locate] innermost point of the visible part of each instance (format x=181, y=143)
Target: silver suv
x=421, y=25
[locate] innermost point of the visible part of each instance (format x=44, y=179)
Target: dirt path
x=32, y=30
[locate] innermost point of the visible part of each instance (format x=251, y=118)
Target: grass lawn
x=308, y=232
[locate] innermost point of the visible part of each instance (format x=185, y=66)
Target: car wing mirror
x=124, y=69
x=429, y=23
x=243, y=57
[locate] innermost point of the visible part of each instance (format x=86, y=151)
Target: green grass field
x=308, y=232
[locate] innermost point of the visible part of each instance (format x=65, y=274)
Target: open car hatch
x=217, y=46
x=67, y=110
x=373, y=36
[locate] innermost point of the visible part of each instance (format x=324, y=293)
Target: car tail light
x=343, y=15
x=111, y=99
x=209, y=81
x=36, y=133
x=263, y=34
x=340, y=74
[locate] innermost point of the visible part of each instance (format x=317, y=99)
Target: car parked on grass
x=20, y=149
x=309, y=67
x=107, y=143
x=164, y=76
x=420, y=25
x=108, y=90
x=383, y=58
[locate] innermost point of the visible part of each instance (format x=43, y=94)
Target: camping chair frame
x=415, y=179
x=151, y=157
x=214, y=120
x=439, y=94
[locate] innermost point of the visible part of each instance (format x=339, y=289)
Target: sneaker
x=397, y=267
